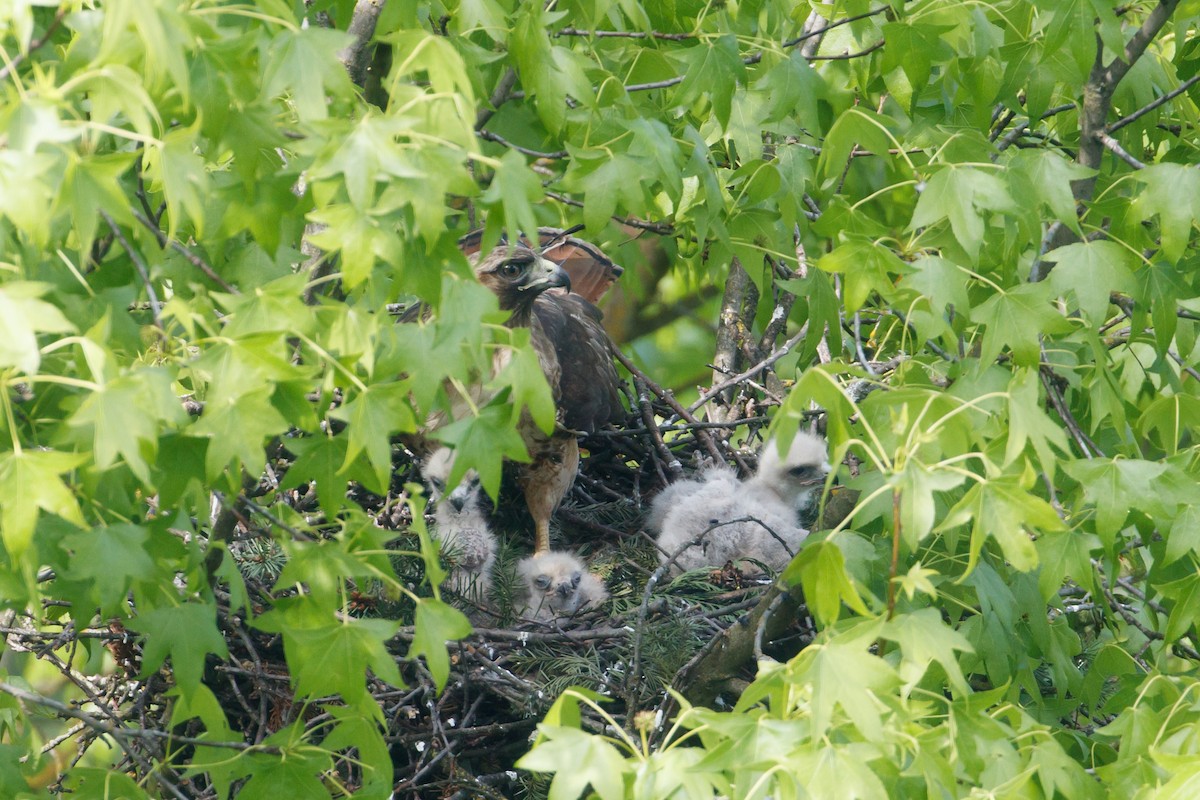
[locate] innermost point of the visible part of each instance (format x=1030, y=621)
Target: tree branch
x=356, y=57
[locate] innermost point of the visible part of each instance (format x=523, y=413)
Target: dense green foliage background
x=987, y=210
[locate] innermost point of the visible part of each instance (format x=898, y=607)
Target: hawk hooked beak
x=554, y=277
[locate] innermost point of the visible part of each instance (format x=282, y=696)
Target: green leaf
x=110, y=559
x=605, y=179
x=577, y=759
x=925, y=638
x=1065, y=555
x=436, y=624
x=29, y=482
x=842, y=674
x=1003, y=509
x=961, y=195
x=237, y=428
x=1184, y=538
x=1048, y=176
x=1173, y=417
x=1016, y=318
x=1092, y=270
x=1186, y=611
x=524, y=376
x=187, y=633
x=866, y=267
x=360, y=238
x=1116, y=486
x=297, y=773
x=483, y=441
x=1172, y=194
x=176, y=170
x=93, y=185
x=372, y=417
x=820, y=569
x=302, y=66
x=856, y=126
x=90, y=783
x=714, y=67
x=328, y=655
x=22, y=315
x=941, y=280
x=1029, y=423
x=125, y=416
x=515, y=188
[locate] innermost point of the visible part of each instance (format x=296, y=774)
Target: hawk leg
x=545, y=481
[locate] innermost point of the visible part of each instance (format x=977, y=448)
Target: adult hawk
x=575, y=353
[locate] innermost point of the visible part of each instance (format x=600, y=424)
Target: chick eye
x=511, y=270
x=803, y=472
x=542, y=582
x=575, y=579
x=437, y=483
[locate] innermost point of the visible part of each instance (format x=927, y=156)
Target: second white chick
x=768, y=505
x=461, y=527
x=557, y=584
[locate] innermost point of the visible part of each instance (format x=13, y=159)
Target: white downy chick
x=461, y=527
x=557, y=584
x=771, y=500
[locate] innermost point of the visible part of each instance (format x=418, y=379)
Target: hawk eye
x=575, y=579
x=802, y=472
x=437, y=483
x=542, y=582
x=511, y=270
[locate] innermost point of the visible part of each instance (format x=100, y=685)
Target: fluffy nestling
x=771, y=500
x=461, y=527
x=557, y=584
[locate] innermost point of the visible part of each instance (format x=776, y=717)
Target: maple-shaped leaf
x=177, y=170
x=1172, y=417
x=962, y=195
x=359, y=237
x=329, y=654
x=436, y=624
x=302, y=65
x=1029, y=423
x=1065, y=554
x=925, y=638
x=295, y=772
x=92, y=185
x=237, y=427
x=714, y=67
x=1185, y=612
x=865, y=267
x=1048, y=176
x=1017, y=317
x=187, y=633
x=939, y=279
x=843, y=674
x=369, y=152
x=1003, y=509
x=358, y=727
x=22, y=315
x=125, y=416
x=322, y=460
x=275, y=306
x=605, y=178
x=820, y=569
x=578, y=760
x=372, y=416
x=109, y=559
x=515, y=188
x=29, y=483
x=1116, y=486
x=483, y=441
x=1092, y=271
x=523, y=374
x=1172, y=194
x=91, y=783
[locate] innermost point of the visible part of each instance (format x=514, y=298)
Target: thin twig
x=140, y=265
x=1146, y=109
x=1120, y=152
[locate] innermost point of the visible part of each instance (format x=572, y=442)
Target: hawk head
x=517, y=274
x=797, y=475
